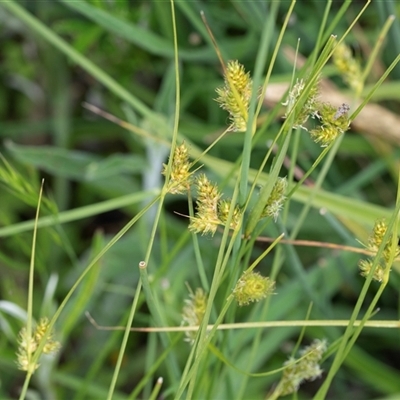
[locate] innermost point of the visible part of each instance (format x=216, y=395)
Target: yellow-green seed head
x=309, y=107
x=365, y=269
x=348, y=67
x=306, y=368
x=223, y=213
x=180, y=178
x=28, y=344
x=252, y=287
x=276, y=200
x=235, y=95
x=193, y=311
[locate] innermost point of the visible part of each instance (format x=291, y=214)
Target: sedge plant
x=214, y=344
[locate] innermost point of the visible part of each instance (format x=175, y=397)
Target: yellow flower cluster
x=308, y=109
x=334, y=122
x=235, y=95
x=306, y=368
x=28, y=344
x=276, y=199
x=374, y=242
x=180, y=178
x=193, y=312
x=211, y=210
x=252, y=287
x=348, y=67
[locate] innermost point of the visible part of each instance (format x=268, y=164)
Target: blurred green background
x=46, y=132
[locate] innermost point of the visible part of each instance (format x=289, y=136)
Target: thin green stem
x=264, y=253
x=266, y=39
x=29, y=321
x=222, y=260
x=153, y=305
x=256, y=212
x=124, y=341
x=375, y=87
x=378, y=45
x=197, y=252
x=156, y=390
x=78, y=213
x=151, y=300
x=191, y=373
x=330, y=152
x=350, y=336
x=154, y=367
x=319, y=42
x=375, y=324
x=84, y=273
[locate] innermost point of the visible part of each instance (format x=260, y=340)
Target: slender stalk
x=376, y=324
x=266, y=39
x=82, y=276
x=29, y=320
x=197, y=253
x=377, y=47
x=156, y=390
x=151, y=301
x=124, y=341
x=78, y=213
x=350, y=336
